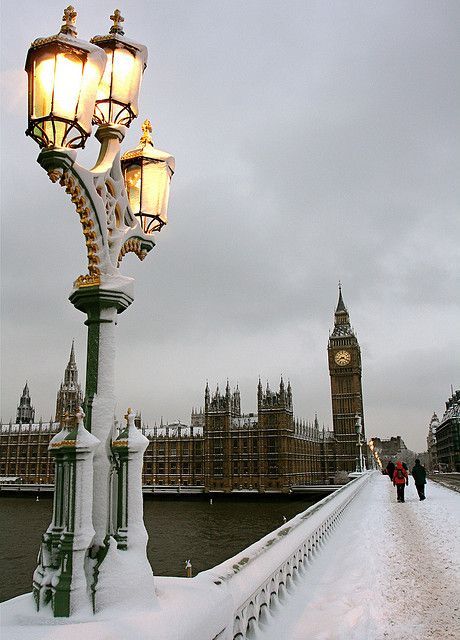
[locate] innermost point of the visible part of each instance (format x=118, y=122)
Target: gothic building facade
x=24, y=444
x=344, y=357
x=264, y=451
x=225, y=450
x=222, y=449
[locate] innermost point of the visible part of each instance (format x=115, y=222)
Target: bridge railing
x=236, y=594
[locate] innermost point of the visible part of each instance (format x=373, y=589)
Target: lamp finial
x=69, y=18
x=117, y=19
x=146, y=138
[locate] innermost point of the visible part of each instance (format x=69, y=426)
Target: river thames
x=178, y=530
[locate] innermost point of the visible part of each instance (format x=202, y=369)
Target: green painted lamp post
x=74, y=84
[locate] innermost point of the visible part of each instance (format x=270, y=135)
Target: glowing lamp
x=147, y=172
x=118, y=92
x=64, y=75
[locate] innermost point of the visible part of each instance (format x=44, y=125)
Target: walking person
x=390, y=469
x=400, y=480
x=419, y=475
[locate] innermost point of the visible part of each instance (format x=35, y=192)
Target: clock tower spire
x=344, y=356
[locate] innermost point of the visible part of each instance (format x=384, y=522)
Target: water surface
x=178, y=530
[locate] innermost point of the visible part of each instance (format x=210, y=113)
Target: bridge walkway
x=390, y=570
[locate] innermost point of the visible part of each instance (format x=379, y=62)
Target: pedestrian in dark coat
x=400, y=479
x=419, y=475
x=390, y=469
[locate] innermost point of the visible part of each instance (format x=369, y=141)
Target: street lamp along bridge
x=94, y=551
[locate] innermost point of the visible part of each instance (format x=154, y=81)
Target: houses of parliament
x=222, y=449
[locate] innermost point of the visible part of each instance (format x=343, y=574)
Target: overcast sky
x=314, y=141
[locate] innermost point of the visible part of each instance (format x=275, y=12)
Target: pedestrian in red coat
x=400, y=480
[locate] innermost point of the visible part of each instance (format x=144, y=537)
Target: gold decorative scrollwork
x=132, y=245
x=79, y=199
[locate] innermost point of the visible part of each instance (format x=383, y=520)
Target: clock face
x=343, y=358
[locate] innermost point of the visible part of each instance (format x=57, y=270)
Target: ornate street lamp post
x=97, y=538
x=360, y=462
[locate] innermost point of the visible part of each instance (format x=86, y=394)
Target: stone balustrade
x=235, y=595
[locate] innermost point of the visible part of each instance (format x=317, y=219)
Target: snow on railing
x=239, y=591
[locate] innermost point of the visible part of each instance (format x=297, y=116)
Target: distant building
x=432, y=457
x=394, y=449
x=448, y=435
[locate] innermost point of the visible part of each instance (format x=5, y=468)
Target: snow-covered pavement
x=389, y=570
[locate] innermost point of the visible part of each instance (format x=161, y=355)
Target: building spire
x=72, y=354
x=342, y=319
x=341, y=308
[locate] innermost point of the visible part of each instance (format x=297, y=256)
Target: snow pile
x=125, y=576
x=125, y=580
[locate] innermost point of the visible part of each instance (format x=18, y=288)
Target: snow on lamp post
x=360, y=464
x=71, y=83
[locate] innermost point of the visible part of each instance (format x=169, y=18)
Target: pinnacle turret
x=26, y=412
x=275, y=399
x=70, y=395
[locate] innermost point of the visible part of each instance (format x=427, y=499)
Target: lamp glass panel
x=103, y=91
x=125, y=72
x=133, y=181
x=67, y=85
x=155, y=189
x=60, y=129
x=89, y=87
x=43, y=85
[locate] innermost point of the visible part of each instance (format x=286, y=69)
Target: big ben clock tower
x=344, y=357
